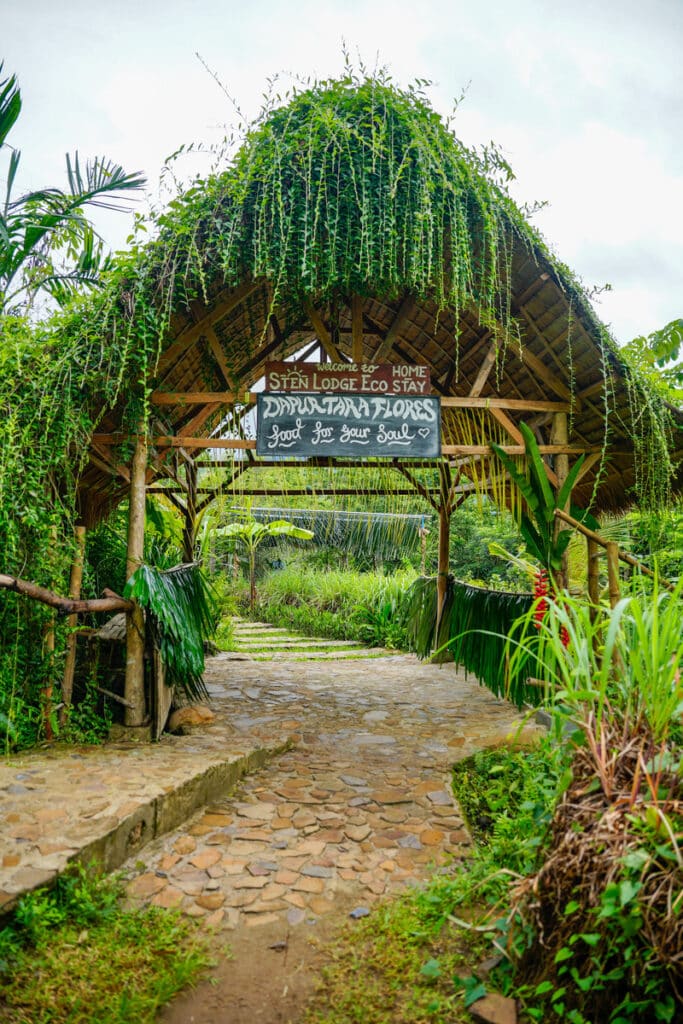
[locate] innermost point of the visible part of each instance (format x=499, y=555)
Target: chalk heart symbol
x=423, y=431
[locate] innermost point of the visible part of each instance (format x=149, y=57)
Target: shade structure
x=353, y=225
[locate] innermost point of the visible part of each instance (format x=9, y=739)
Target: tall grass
x=342, y=604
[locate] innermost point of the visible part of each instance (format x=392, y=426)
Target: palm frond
x=10, y=105
x=181, y=609
x=475, y=626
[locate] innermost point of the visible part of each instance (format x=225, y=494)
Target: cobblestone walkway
x=359, y=808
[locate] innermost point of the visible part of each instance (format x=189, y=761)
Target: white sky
x=584, y=96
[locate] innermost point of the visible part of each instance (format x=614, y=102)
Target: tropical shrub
x=599, y=923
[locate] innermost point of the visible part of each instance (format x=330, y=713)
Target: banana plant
x=537, y=523
x=252, y=534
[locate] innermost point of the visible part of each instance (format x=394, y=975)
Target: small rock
x=185, y=845
x=495, y=1009
x=316, y=871
x=440, y=797
x=211, y=900
x=146, y=885
x=194, y=716
x=206, y=858
x=359, y=912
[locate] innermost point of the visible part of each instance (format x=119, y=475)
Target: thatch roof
x=354, y=217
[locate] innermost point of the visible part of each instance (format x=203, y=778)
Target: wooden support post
x=613, y=572
x=190, y=513
x=443, y=563
x=134, y=692
x=560, y=436
x=75, y=593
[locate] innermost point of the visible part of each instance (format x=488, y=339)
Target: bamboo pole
x=613, y=572
x=74, y=594
x=593, y=575
x=443, y=564
x=560, y=435
x=134, y=691
x=190, y=513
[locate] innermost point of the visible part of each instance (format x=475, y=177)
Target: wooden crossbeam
x=588, y=464
x=484, y=370
x=219, y=356
x=519, y=404
x=547, y=376
x=180, y=398
x=323, y=334
x=417, y=485
x=399, y=322
x=294, y=492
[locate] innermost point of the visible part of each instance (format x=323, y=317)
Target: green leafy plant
x=602, y=913
x=181, y=610
x=544, y=541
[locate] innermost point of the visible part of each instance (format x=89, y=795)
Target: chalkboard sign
x=349, y=425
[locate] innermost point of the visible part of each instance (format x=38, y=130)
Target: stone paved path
x=359, y=808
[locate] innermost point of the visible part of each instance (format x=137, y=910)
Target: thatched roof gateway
x=352, y=221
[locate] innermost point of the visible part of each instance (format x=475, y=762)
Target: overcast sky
x=584, y=97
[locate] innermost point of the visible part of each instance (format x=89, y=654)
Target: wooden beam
x=357, y=329
x=399, y=322
x=547, y=376
x=75, y=594
x=189, y=398
x=513, y=449
x=296, y=492
x=116, y=468
x=484, y=370
x=508, y=426
x=183, y=398
x=592, y=390
x=519, y=404
x=219, y=356
x=324, y=336
x=263, y=353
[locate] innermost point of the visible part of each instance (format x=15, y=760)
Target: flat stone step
x=302, y=641
x=344, y=655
